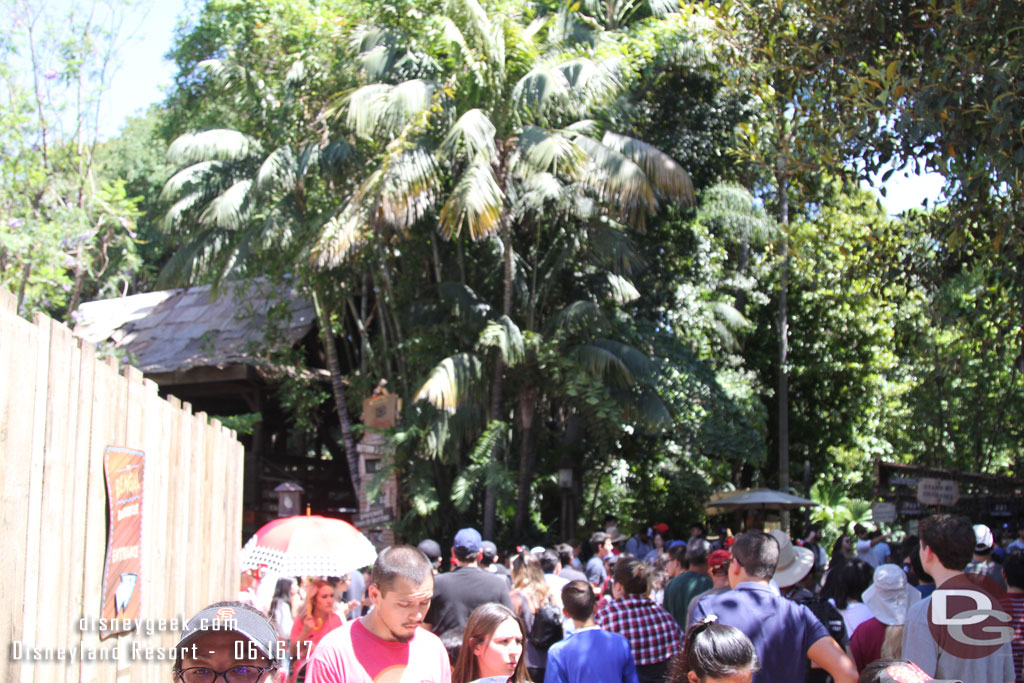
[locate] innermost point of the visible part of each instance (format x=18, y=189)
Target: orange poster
x=124, y=469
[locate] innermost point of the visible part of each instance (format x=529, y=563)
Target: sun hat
x=794, y=561
x=890, y=596
x=236, y=618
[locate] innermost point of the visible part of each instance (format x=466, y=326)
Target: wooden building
x=222, y=353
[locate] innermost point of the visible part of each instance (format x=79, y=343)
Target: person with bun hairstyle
x=783, y=632
x=714, y=653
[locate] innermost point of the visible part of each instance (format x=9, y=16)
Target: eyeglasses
x=236, y=674
x=732, y=558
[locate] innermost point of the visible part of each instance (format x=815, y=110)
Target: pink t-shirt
x=311, y=642
x=351, y=654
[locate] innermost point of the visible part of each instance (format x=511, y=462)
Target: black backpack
x=547, y=626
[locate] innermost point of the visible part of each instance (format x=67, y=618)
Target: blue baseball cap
x=468, y=542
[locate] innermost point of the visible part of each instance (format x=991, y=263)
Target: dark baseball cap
x=432, y=549
x=490, y=550
x=468, y=542
x=236, y=618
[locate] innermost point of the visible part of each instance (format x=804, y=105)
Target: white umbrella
x=755, y=499
x=308, y=545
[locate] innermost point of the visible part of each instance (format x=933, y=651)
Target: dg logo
x=967, y=619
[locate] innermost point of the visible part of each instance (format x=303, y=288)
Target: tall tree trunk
x=497, y=382
x=783, y=377
x=323, y=315
x=527, y=455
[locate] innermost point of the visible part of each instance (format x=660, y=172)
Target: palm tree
x=503, y=131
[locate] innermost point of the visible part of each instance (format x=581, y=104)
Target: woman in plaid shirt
x=653, y=635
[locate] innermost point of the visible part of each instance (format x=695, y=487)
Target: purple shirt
x=782, y=631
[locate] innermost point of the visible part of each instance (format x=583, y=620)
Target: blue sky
x=144, y=76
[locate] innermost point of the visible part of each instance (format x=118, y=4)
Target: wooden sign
x=124, y=469
x=883, y=513
x=381, y=410
x=937, y=492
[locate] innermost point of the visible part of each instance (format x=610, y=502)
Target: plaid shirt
x=653, y=634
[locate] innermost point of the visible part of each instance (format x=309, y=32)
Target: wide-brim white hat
x=794, y=561
x=890, y=596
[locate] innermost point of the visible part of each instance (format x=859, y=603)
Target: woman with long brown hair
x=316, y=619
x=529, y=593
x=492, y=646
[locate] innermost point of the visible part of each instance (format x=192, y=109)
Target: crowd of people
x=641, y=609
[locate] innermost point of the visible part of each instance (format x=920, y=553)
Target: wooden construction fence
x=60, y=407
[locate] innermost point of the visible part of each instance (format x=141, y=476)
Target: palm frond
x=647, y=408
x=381, y=109
x=277, y=171
x=484, y=36
x=662, y=170
x=600, y=362
x=296, y=73
x=405, y=188
x=339, y=235
x=194, y=176
x=610, y=243
x=592, y=82
x=543, y=87
x=217, y=144
x=635, y=361
x=333, y=157
x=476, y=203
x=184, y=205
x=618, y=181
x=622, y=290
x=540, y=190
x=579, y=316
x=464, y=301
x=451, y=382
x=482, y=470
x=504, y=335
x=472, y=135
x=550, y=152
x=231, y=208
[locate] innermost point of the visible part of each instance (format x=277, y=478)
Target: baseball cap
x=490, y=550
x=983, y=538
x=236, y=618
x=432, y=549
x=717, y=558
x=905, y=672
x=468, y=542
x=676, y=544
x=661, y=528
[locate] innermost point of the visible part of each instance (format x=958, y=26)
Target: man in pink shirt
x=387, y=645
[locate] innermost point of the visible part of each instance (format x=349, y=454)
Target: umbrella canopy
x=308, y=545
x=756, y=499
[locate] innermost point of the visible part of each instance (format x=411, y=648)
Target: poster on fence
x=124, y=469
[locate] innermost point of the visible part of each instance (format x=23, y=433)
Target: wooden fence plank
x=53, y=605
x=59, y=409
x=30, y=617
x=18, y=348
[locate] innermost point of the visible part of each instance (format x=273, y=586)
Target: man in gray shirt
x=943, y=641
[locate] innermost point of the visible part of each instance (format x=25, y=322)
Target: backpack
x=547, y=626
